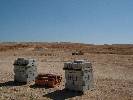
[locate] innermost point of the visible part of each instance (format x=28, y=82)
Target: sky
x=83, y=21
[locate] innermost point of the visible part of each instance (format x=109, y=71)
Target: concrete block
x=78, y=75
x=25, y=70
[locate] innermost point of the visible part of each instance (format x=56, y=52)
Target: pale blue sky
x=86, y=21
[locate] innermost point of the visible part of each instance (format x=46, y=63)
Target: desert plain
x=112, y=70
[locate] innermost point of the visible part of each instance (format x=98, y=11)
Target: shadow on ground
x=11, y=83
x=62, y=94
x=37, y=86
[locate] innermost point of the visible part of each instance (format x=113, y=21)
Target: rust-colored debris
x=49, y=80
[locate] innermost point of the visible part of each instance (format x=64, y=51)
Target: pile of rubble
x=49, y=80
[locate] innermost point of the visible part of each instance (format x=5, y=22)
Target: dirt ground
x=112, y=69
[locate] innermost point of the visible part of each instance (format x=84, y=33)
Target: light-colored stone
x=79, y=75
x=25, y=70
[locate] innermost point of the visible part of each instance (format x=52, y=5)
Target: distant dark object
x=48, y=80
x=78, y=53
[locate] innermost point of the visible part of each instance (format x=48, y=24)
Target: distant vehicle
x=77, y=53
x=49, y=80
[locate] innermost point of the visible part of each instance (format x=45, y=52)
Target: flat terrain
x=112, y=66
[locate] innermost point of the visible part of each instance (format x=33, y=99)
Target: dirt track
x=112, y=65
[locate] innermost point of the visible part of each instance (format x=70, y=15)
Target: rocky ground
x=112, y=66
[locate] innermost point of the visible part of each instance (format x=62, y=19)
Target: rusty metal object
x=49, y=80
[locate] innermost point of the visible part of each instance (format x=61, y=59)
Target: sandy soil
x=112, y=66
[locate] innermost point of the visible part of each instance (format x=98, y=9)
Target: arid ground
x=112, y=69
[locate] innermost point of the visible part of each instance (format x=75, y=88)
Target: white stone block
x=78, y=75
x=25, y=70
